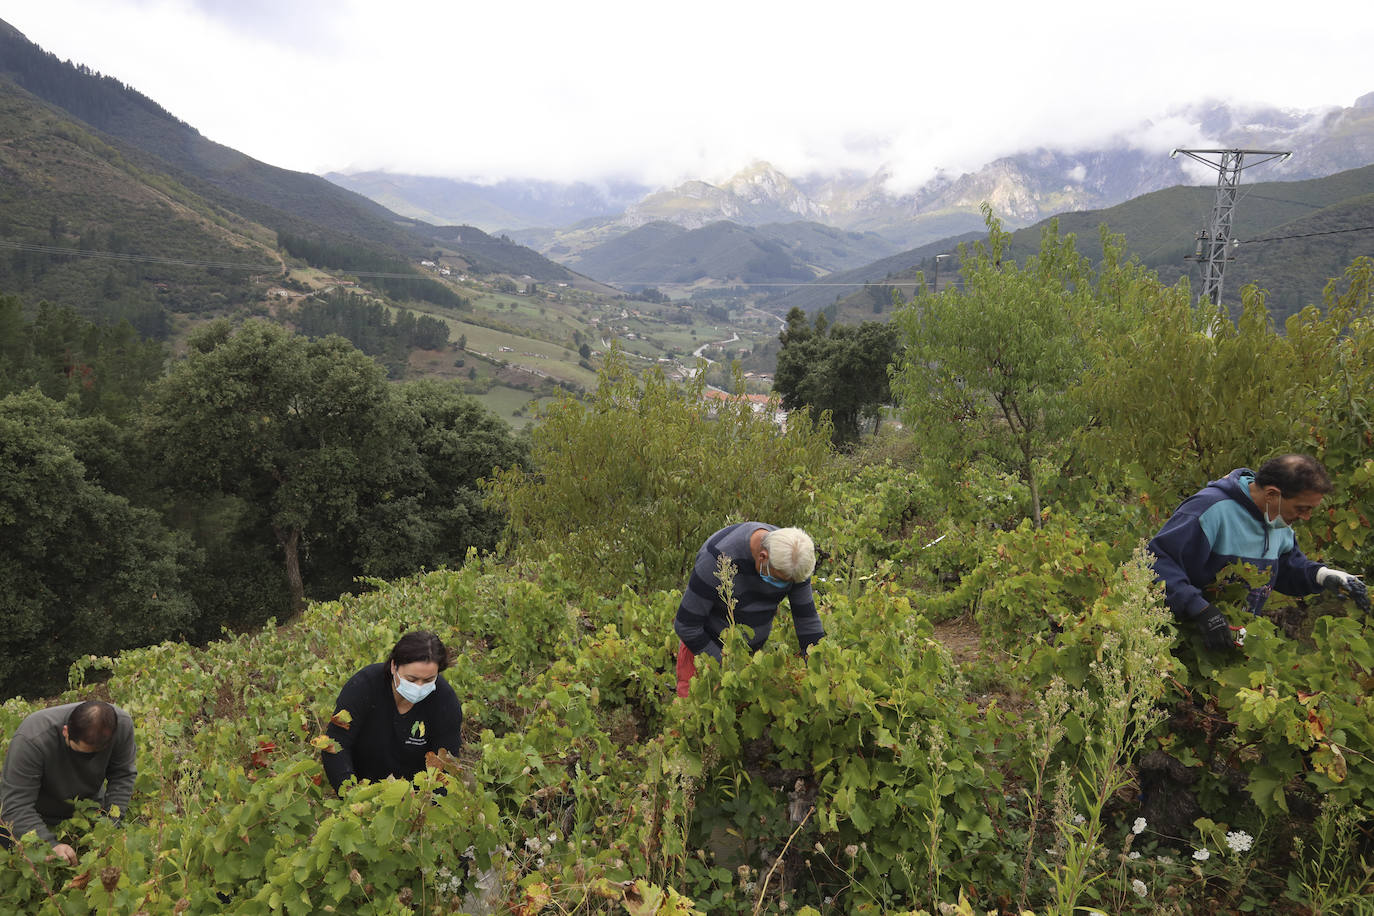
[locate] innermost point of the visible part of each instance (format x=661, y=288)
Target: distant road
x=698, y=353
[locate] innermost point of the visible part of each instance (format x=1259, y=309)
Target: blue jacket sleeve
x=1182, y=552
x=1295, y=574
x=805, y=620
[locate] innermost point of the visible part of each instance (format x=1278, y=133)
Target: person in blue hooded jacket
x=1246, y=517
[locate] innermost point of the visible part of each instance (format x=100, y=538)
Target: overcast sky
x=660, y=91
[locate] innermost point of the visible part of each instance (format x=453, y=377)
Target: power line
x=1308, y=235
x=147, y=259
x=182, y=262
x=1283, y=200
x=266, y=268
x=748, y=285
x=874, y=283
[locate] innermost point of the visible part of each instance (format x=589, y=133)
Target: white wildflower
x=1133, y=854
x=1139, y=826
x=1239, y=840
x=1202, y=855
x=1139, y=887
x=1079, y=820
x=851, y=850
x=1165, y=860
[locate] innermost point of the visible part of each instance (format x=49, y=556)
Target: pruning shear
x=1238, y=636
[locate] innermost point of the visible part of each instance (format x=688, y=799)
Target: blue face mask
x=775, y=582
x=413, y=693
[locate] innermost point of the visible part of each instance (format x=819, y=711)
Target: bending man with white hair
x=771, y=563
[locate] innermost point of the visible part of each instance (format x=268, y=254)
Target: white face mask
x=412, y=693
x=1276, y=523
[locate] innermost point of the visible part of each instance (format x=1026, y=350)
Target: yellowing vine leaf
x=537, y=896
x=644, y=899
x=1329, y=761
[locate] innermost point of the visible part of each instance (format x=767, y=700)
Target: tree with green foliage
x=842, y=369
x=12, y=343
x=84, y=570
x=298, y=429
x=623, y=489
x=988, y=366
x=1179, y=393
x=430, y=333
x=99, y=369
x=1236, y=390
x=435, y=511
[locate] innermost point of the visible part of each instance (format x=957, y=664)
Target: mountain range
x=1022, y=188
x=91, y=166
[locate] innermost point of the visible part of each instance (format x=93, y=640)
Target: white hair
x=790, y=553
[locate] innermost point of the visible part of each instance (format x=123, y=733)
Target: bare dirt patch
x=960, y=637
x=963, y=641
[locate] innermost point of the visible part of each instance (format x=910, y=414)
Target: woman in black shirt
x=398, y=711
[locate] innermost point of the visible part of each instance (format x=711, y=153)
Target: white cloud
x=661, y=92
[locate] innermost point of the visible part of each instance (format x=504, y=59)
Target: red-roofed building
x=759, y=402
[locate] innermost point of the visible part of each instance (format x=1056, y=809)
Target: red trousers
x=686, y=668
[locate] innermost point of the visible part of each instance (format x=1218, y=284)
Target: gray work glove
x=1341, y=582
x=1216, y=632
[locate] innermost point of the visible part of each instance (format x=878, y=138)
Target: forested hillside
x=1074, y=751
x=662, y=253
x=276, y=197
x=76, y=214
x=1294, y=237
x=47, y=101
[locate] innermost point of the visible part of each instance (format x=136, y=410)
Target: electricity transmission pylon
x=1214, y=243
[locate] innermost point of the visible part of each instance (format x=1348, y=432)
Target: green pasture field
x=504, y=402
x=553, y=360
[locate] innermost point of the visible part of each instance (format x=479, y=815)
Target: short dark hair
x=1294, y=474
x=420, y=646
x=92, y=723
